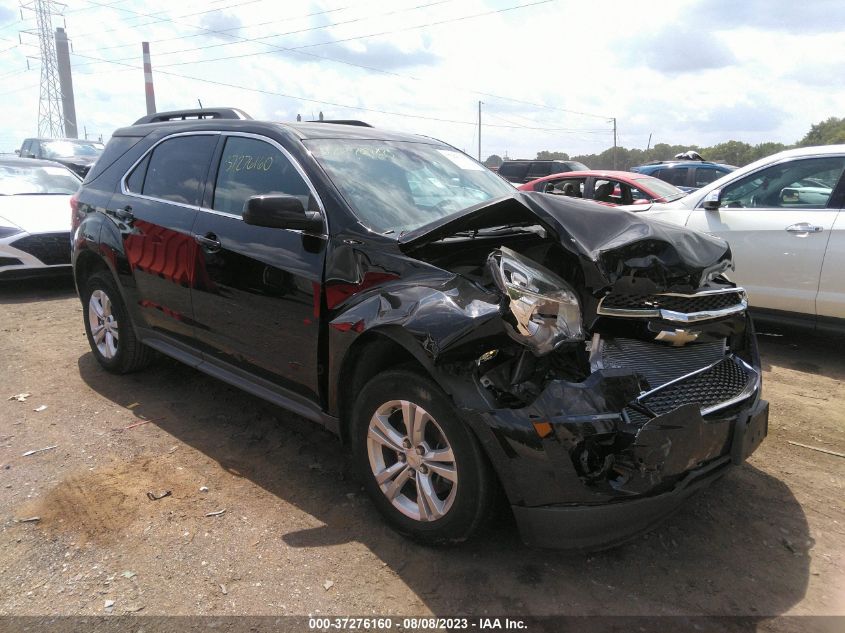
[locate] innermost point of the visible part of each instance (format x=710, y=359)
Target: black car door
x=257, y=291
x=155, y=210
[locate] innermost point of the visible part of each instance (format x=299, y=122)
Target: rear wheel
x=418, y=460
x=110, y=334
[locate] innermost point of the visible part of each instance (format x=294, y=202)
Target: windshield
x=661, y=188
x=69, y=149
x=47, y=179
x=396, y=186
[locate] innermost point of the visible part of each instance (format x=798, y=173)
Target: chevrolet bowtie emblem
x=677, y=338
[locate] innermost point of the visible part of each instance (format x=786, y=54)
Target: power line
x=218, y=31
x=320, y=101
x=261, y=40
x=298, y=51
x=158, y=19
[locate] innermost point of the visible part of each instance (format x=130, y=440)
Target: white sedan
x=34, y=217
x=783, y=217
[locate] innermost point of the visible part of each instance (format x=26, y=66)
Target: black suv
x=522, y=171
x=462, y=337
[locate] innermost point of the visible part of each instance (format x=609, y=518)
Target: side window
x=250, y=167
x=804, y=184
x=706, y=175
x=572, y=187
x=676, y=175
x=135, y=182
x=27, y=147
x=538, y=170
x=178, y=167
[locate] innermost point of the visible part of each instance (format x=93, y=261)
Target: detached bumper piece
x=716, y=387
x=595, y=527
x=52, y=249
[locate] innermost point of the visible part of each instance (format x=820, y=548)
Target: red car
x=612, y=188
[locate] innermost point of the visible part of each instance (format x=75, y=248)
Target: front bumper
x=25, y=255
x=585, y=527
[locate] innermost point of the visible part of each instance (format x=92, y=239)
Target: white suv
x=783, y=217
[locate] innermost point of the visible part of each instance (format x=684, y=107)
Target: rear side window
x=178, y=167
x=116, y=147
x=135, y=182
x=538, y=170
x=251, y=167
x=676, y=175
x=515, y=172
x=706, y=175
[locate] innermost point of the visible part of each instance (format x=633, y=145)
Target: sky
x=551, y=74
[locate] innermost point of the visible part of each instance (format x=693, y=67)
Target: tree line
x=738, y=153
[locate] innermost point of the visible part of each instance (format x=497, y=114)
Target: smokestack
x=66, y=83
x=148, y=79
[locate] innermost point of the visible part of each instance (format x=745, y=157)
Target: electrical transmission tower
x=50, y=114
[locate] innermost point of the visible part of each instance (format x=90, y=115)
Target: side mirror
x=18, y=152
x=713, y=200
x=281, y=212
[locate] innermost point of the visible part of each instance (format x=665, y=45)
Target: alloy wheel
x=103, y=324
x=412, y=460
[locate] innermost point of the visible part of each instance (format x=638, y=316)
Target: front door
x=256, y=300
x=155, y=211
x=778, y=223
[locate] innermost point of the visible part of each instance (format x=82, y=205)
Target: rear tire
x=419, y=462
x=110, y=333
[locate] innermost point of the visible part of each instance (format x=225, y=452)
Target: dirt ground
x=298, y=536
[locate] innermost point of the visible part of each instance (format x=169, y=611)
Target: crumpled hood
x=612, y=244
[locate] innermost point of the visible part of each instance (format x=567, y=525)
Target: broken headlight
x=545, y=309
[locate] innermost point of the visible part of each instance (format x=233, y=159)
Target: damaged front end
x=607, y=365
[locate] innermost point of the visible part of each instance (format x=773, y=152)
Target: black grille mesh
x=684, y=304
x=659, y=363
x=51, y=248
x=725, y=380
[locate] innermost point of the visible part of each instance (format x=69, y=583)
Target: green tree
x=494, y=160
x=547, y=155
x=830, y=132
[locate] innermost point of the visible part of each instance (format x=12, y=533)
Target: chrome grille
x=675, y=306
x=657, y=363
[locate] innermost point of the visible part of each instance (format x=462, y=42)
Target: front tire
x=110, y=333
x=419, y=462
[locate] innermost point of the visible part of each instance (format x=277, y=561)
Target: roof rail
x=343, y=122
x=196, y=114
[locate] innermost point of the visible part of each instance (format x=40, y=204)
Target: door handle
x=124, y=215
x=208, y=241
x=804, y=227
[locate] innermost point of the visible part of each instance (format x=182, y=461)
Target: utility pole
x=66, y=84
x=149, y=89
x=648, y=147
x=479, y=131
x=614, y=142
x=50, y=115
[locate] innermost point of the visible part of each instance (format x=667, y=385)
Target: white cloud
x=675, y=69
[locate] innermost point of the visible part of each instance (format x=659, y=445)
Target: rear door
x=256, y=300
x=155, y=210
x=778, y=222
